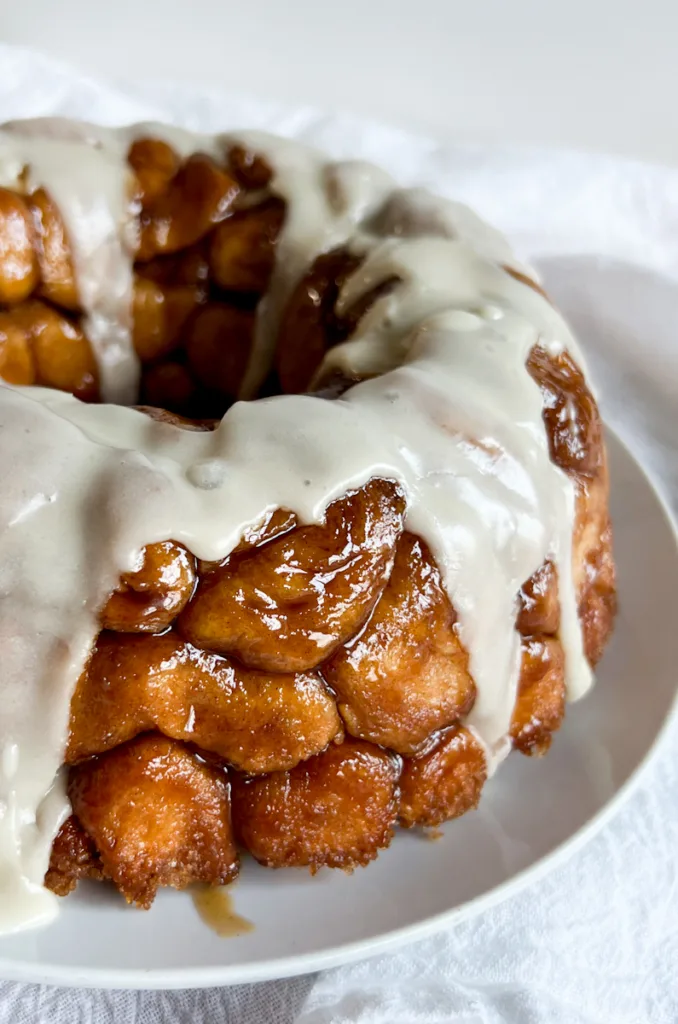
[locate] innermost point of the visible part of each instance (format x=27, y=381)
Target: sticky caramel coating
x=272, y=525
x=335, y=810
x=540, y=704
x=155, y=164
x=406, y=674
x=538, y=604
x=62, y=355
x=198, y=197
x=570, y=413
x=317, y=585
x=249, y=168
x=149, y=598
x=290, y=596
x=309, y=325
x=74, y=856
x=255, y=721
x=19, y=270
x=218, y=344
x=53, y=252
x=160, y=314
x=598, y=598
x=242, y=250
x=17, y=365
x=158, y=815
x=443, y=783
x=593, y=568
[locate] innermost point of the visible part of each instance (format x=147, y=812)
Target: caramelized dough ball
x=218, y=345
x=593, y=564
x=336, y=810
x=272, y=525
x=169, y=386
x=62, y=354
x=598, y=599
x=309, y=326
x=74, y=856
x=255, y=721
x=406, y=674
x=199, y=196
x=287, y=605
x=443, y=783
x=538, y=604
x=570, y=412
x=186, y=269
x=540, y=704
x=150, y=598
x=19, y=271
x=17, y=365
x=158, y=815
x=242, y=253
x=154, y=163
x=160, y=314
x=250, y=170
x=53, y=252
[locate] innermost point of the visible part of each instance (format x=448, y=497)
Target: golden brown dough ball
x=154, y=163
x=598, y=600
x=17, y=365
x=160, y=314
x=570, y=412
x=406, y=674
x=308, y=326
x=150, y=598
x=256, y=721
x=158, y=815
x=19, y=270
x=218, y=345
x=316, y=584
x=540, y=704
x=57, y=273
x=74, y=856
x=538, y=602
x=443, y=783
x=335, y=810
x=62, y=355
x=199, y=196
x=242, y=252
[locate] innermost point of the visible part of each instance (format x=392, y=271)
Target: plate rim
x=172, y=978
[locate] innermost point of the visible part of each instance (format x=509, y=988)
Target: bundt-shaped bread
x=332, y=611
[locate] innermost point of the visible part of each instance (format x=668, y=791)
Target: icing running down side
x=448, y=410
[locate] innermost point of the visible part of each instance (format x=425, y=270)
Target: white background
x=598, y=74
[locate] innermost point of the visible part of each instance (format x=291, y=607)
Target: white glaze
x=449, y=411
x=85, y=174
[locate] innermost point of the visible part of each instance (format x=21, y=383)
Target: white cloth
x=596, y=940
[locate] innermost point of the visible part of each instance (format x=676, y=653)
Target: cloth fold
x=596, y=941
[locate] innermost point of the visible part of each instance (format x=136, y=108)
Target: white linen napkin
x=596, y=940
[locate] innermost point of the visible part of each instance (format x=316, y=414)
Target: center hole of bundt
x=207, y=345
x=195, y=336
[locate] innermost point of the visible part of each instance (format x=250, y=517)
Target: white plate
x=532, y=815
